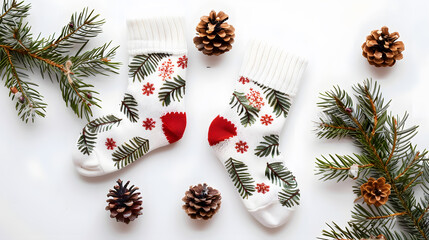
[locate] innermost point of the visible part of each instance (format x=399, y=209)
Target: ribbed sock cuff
x=273, y=67
x=156, y=35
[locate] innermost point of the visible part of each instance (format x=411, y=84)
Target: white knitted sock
x=152, y=113
x=245, y=137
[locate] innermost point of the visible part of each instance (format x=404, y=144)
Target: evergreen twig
x=387, y=152
x=51, y=56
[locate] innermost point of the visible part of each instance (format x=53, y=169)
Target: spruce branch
x=386, y=151
x=13, y=11
x=20, y=52
x=352, y=232
x=81, y=27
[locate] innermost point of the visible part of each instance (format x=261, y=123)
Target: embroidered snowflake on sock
x=110, y=144
x=148, y=89
x=262, y=188
x=266, y=119
x=255, y=99
x=243, y=80
x=183, y=62
x=149, y=124
x=241, y=147
x=166, y=70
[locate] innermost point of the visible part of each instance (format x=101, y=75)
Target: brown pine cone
x=379, y=237
x=125, y=204
x=201, y=202
x=381, y=48
x=375, y=191
x=215, y=36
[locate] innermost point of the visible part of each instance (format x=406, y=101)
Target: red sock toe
x=221, y=129
x=173, y=125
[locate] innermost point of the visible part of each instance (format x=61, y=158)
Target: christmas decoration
x=124, y=202
x=392, y=209
x=215, y=35
x=149, y=124
x=21, y=52
x=381, y=48
x=110, y=143
x=375, y=191
x=153, y=107
x=262, y=188
x=241, y=147
x=380, y=237
x=244, y=136
x=201, y=202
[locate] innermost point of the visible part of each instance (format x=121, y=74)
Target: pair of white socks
x=245, y=137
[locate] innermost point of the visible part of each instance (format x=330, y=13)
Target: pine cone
x=381, y=48
x=201, y=202
x=215, y=36
x=125, y=204
x=375, y=191
x=379, y=237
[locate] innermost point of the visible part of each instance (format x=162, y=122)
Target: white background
x=43, y=197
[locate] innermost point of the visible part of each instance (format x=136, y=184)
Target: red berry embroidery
x=243, y=80
x=241, y=147
x=266, y=119
x=255, y=99
x=148, y=89
x=183, y=62
x=149, y=123
x=262, y=188
x=166, y=70
x=110, y=144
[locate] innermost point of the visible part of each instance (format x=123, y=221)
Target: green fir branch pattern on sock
x=279, y=101
x=243, y=181
x=86, y=141
x=248, y=113
x=268, y=147
x=103, y=124
x=280, y=175
x=172, y=90
x=289, y=197
x=88, y=137
x=129, y=107
x=145, y=64
x=127, y=153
